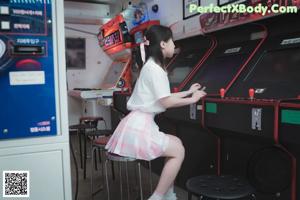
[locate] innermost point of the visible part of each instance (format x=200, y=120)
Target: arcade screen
x=135, y=15
x=139, y=37
x=183, y=65
x=113, y=75
x=276, y=74
x=219, y=72
x=112, y=39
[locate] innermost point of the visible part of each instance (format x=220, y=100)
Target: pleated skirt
x=138, y=136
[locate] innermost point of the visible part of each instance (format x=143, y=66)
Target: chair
x=85, y=124
x=99, y=144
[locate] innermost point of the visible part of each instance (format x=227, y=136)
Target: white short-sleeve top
x=152, y=85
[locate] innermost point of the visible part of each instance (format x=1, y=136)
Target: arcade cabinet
x=234, y=48
x=115, y=40
x=255, y=119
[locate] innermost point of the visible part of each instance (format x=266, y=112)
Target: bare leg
x=170, y=194
x=175, y=156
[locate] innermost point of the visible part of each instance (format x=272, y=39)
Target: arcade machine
x=234, y=48
x=115, y=40
x=34, y=139
x=248, y=115
x=288, y=132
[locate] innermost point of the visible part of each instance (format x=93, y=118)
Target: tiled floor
x=84, y=192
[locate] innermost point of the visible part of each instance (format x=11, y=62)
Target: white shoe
x=155, y=196
x=170, y=196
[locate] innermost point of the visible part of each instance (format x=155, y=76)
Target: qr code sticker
x=15, y=183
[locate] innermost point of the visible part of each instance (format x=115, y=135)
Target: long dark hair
x=155, y=34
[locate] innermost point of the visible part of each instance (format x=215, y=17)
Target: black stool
x=85, y=124
x=99, y=144
x=122, y=159
x=209, y=187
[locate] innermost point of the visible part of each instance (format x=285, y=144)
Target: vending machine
x=34, y=138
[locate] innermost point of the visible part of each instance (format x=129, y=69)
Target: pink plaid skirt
x=138, y=136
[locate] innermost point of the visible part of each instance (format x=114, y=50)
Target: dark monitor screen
x=276, y=74
x=276, y=66
x=183, y=65
x=218, y=72
x=139, y=37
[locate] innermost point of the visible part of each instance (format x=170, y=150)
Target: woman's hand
x=194, y=87
x=197, y=95
x=178, y=99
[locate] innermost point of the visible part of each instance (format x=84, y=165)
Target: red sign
x=114, y=35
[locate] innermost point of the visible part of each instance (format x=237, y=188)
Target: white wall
x=171, y=14
x=86, y=10
x=97, y=65
x=97, y=62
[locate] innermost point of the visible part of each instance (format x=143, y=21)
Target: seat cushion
x=219, y=187
x=101, y=140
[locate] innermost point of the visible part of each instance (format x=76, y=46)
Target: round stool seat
x=101, y=141
x=91, y=118
x=219, y=187
x=118, y=158
x=99, y=133
x=80, y=126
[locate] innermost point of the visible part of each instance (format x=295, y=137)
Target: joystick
x=222, y=92
x=251, y=93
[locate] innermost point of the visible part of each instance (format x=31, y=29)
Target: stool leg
x=140, y=177
x=84, y=158
x=136, y=175
x=92, y=171
x=80, y=147
x=127, y=180
x=101, y=154
x=150, y=174
x=95, y=156
x=106, y=178
x=113, y=170
x=120, y=175
x=190, y=196
x=76, y=167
